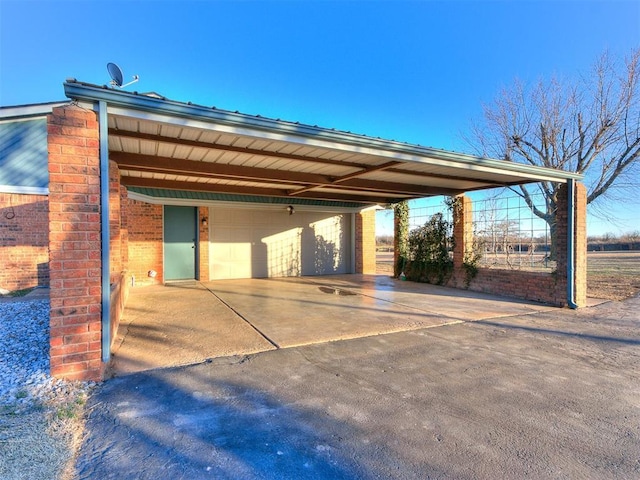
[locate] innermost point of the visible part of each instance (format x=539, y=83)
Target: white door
x=250, y=243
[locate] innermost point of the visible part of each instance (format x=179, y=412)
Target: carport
x=182, y=192
x=187, y=323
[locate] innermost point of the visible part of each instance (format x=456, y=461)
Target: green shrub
x=429, y=247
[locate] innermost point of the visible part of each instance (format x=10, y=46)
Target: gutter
x=571, y=229
x=104, y=231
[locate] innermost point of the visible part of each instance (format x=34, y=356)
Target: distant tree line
x=611, y=242
x=495, y=242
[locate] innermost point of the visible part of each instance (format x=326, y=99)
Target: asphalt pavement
x=551, y=394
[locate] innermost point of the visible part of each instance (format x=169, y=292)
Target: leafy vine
x=401, y=214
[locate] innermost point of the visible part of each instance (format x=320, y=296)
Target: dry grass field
x=610, y=275
x=613, y=275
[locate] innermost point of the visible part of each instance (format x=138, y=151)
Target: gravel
x=24, y=349
x=41, y=418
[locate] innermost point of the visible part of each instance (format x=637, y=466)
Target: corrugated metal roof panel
x=23, y=154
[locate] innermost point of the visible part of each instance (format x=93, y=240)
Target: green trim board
x=225, y=197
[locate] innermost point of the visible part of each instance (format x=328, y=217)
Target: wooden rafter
x=290, y=181
x=150, y=163
x=349, y=176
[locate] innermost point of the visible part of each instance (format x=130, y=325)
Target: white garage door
x=257, y=243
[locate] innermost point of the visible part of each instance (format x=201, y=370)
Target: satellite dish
x=116, y=76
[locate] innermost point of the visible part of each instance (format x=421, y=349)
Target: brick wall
x=463, y=234
x=120, y=278
x=144, y=228
x=74, y=241
x=24, y=241
x=541, y=287
x=124, y=227
x=365, y=235
x=535, y=286
x=581, y=244
x=580, y=240
x=203, y=247
x=115, y=224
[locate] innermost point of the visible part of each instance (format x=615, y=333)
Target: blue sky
x=415, y=71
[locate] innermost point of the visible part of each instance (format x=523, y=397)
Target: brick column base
x=74, y=243
x=579, y=242
x=366, y=242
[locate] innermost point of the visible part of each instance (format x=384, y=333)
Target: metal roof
x=163, y=145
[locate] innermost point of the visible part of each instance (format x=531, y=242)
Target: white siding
x=254, y=243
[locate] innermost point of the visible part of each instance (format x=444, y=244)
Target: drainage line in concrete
x=240, y=315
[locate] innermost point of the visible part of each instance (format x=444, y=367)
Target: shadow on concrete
x=489, y=399
x=180, y=424
x=549, y=331
x=188, y=323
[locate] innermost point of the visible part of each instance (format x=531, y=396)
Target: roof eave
x=411, y=153
x=34, y=110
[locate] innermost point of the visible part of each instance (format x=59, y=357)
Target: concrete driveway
x=186, y=323
x=544, y=394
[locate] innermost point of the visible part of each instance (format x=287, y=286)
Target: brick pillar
x=561, y=245
x=400, y=236
x=462, y=232
x=124, y=229
x=580, y=222
x=366, y=242
x=579, y=243
x=74, y=243
x=203, y=247
x=396, y=245
x=115, y=223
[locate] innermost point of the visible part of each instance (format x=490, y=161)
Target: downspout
x=571, y=230
x=104, y=230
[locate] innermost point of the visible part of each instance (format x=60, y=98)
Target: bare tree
x=590, y=126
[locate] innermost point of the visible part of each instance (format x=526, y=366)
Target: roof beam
x=150, y=163
x=246, y=190
x=465, y=178
x=349, y=176
x=415, y=191
x=164, y=165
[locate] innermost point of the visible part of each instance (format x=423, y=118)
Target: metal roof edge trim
x=18, y=112
x=18, y=189
x=82, y=91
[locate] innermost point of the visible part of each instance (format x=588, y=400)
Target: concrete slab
x=302, y=311
x=179, y=324
x=547, y=395
x=434, y=299
x=191, y=322
x=38, y=293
